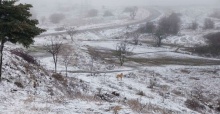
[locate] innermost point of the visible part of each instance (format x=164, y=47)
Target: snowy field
x=157, y=80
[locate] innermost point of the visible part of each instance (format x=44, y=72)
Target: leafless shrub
x=194, y=25
x=58, y=77
x=194, y=78
x=177, y=92
x=86, y=97
x=148, y=108
x=185, y=71
x=218, y=105
x=115, y=93
x=95, y=55
x=29, y=99
x=153, y=82
x=121, y=52
x=24, y=56
x=136, y=37
x=193, y=104
x=132, y=10
x=59, y=99
x=141, y=93
x=197, y=93
x=150, y=27
x=59, y=29
x=19, y=84
x=136, y=105
x=56, y=18
x=92, y=13
x=216, y=14
x=107, y=13
x=67, y=55
x=116, y=109
x=71, y=31
x=130, y=75
x=208, y=24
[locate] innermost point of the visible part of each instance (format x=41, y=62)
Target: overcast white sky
x=129, y=2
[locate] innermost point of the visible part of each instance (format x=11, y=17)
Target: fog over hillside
x=126, y=2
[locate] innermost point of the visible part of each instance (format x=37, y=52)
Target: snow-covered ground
x=156, y=80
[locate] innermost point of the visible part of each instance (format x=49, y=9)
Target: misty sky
x=128, y=2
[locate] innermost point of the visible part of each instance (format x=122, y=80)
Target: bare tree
x=121, y=51
x=150, y=27
x=194, y=25
x=54, y=48
x=95, y=56
x=208, y=24
x=159, y=35
x=56, y=18
x=216, y=14
x=67, y=54
x=107, y=13
x=92, y=13
x=71, y=32
x=136, y=37
x=133, y=12
x=167, y=26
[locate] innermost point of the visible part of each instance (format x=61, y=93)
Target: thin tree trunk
x=159, y=41
x=55, y=67
x=1, y=58
x=72, y=38
x=66, y=70
x=55, y=63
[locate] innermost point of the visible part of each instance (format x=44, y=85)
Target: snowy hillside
x=156, y=80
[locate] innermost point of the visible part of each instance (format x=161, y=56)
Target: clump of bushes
x=141, y=93
x=92, y=13
x=58, y=77
x=193, y=26
x=59, y=29
x=213, y=45
x=194, y=105
x=56, y=18
x=107, y=14
x=148, y=28
x=19, y=84
x=218, y=106
x=216, y=14
x=25, y=56
x=208, y=24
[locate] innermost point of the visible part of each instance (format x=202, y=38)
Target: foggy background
x=124, y=2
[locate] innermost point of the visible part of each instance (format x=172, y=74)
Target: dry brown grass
x=30, y=99
x=185, y=71
x=148, y=108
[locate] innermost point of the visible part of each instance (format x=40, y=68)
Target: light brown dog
x=119, y=76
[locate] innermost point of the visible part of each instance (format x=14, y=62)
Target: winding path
x=154, y=14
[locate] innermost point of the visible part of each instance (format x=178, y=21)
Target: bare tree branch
x=54, y=48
